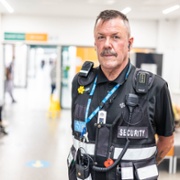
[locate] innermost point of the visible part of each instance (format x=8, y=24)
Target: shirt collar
x=119, y=80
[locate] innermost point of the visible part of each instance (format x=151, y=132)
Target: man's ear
x=131, y=40
x=129, y=46
x=95, y=47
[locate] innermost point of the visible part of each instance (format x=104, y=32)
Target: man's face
x=111, y=43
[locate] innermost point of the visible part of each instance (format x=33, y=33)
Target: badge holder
x=102, y=117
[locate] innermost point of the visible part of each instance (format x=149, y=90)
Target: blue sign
x=38, y=164
x=79, y=125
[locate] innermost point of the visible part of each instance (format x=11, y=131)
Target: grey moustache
x=108, y=52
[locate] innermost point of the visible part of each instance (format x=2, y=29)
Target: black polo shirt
x=162, y=119
x=104, y=85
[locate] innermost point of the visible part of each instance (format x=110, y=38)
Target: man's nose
x=107, y=42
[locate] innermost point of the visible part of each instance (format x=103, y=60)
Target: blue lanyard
x=87, y=119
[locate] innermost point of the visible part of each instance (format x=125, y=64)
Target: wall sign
x=14, y=36
x=43, y=37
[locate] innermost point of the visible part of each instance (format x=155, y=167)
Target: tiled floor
x=37, y=146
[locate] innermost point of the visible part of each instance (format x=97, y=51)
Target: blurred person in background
x=2, y=128
x=53, y=76
x=9, y=86
x=42, y=63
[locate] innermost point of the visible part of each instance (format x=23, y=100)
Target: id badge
x=102, y=117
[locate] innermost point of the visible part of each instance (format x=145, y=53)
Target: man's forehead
x=113, y=25
x=109, y=20
x=110, y=25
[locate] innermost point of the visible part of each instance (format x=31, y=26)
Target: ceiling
x=141, y=9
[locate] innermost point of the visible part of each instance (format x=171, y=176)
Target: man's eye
x=100, y=37
x=116, y=37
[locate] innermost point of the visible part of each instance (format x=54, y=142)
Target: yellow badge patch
x=81, y=89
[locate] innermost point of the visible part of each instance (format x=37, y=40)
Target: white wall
x=144, y=33
x=169, y=45
x=73, y=31
x=167, y=34
x=67, y=31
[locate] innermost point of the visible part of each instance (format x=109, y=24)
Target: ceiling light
x=90, y=1
x=7, y=6
x=126, y=10
x=171, y=9
x=110, y=2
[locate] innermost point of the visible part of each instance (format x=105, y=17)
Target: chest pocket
x=79, y=112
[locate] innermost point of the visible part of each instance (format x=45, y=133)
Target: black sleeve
x=73, y=96
x=164, y=115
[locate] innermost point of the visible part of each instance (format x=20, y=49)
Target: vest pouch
x=72, y=172
x=71, y=164
x=127, y=171
x=118, y=173
x=102, y=143
x=88, y=178
x=82, y=166
x=146, y=169
x=82, y=172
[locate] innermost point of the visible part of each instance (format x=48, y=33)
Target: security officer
x=117, y=110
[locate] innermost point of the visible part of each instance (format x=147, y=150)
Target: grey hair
x=112, y=14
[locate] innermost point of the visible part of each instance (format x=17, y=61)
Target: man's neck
x=112, y=74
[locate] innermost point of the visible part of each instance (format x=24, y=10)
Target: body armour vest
x=129, y=118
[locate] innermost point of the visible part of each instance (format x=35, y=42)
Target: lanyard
x=89, y=118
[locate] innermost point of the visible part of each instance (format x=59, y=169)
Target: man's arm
x=164, y=144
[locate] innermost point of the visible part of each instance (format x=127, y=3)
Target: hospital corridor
x=36, y=146
x=44, y=44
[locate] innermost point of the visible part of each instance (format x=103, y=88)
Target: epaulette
x=86, y=74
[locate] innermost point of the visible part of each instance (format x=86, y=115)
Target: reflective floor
x=37, y=146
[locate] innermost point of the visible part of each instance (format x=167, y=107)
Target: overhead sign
x=26, y=36
x=36, y=37
x=14, y=36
